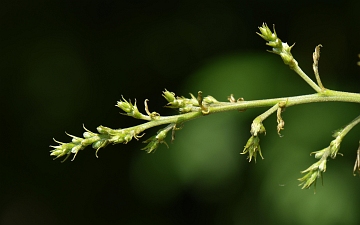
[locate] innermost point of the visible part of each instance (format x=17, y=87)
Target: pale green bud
x=266, y=33
x=252, y=147
x=97, y=144
x=322, y=166
x=117, y=139
x=125, y=106
x=127, y=138
x=135, y=112
x=105, y=130
x=161, y=135
x=320, y=153
x=210, y=99
x=335, y=147
x=88, y=134
x=169, y=96
x=89, y=141
x=77, y=140
x=76, y=149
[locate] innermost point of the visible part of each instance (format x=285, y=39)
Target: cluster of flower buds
x=97, y=141
x=64, y=149
x=159, y=138
x=252, y=146
x=129, y=108
x=75, y=145
x=315, y=170
x=186, y=105
x=278, y=47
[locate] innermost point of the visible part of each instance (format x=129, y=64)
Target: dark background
x=65, y=63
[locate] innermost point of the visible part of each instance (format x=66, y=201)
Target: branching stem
x=327, y=96
x=192, y=108
x=303, y=75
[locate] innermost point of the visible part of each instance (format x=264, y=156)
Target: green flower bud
x=322, y=166
x=151, y=147
x=62, y=149
x=127, y=138
x=335, y=147
x=169, y=96
x=117, y=139
x=161, y=135
x=125, y=106
x=76, y=149
x=135, y=112
x=99, y=144
x=186, y=109
x=252, y=147
x=88, y=134
x=106, y=130
x=89, y=141
x=266, y=33
x=77, y=140
x=210, y=100
x=320, y=153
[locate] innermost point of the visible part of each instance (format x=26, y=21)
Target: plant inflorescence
x=199, y=106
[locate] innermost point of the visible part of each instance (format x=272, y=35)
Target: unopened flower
x=129, y=108
x=158, y=139
x=169, y=96
x=266, y=33
x=310, y=178
x=278, y=47
x=252, y=148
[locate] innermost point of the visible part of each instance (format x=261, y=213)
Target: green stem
x=326, y=96
x=267, y=113
x=303, y=75
x=349, y=127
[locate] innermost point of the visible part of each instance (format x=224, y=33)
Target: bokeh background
x=66, y=63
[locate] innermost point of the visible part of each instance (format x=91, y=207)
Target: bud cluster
x=159, y=138
x=97, y=141
x=129, y=108
x=279, y=47
x=186, y=105
x=252, y=146
x=315, y=170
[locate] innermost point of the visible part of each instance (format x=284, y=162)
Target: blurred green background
x=65, y=63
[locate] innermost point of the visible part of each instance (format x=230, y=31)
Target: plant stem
x=303, y=75
x=326, y=96
x=349, y=127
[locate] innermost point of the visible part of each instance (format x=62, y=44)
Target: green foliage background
x=67, y=63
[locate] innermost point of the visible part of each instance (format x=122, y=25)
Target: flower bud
x=169, y=96
x=87, y=134
x=266, y=33
x=320, y=153
x=77, y=140
x=104, y=130
x=252, y=147
x=210, y=99
x=322, y=166
x=76, y=149
x=125, y=106
x=335, y=147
